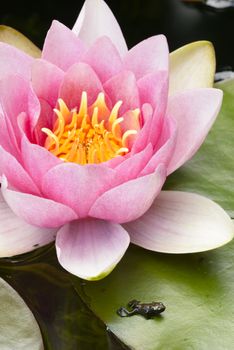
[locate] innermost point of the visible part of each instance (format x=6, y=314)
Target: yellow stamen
x=115, y=127
x=61, y=123
x=114, y=112
x=51, y=137
x=122, y=150
x=83, y=104
x=126, y=135
x=92, y=135
x=63, y=107
x=95, y=116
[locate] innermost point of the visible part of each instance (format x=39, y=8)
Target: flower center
x=91, y=135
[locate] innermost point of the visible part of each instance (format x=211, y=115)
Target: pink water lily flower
x=90, y=131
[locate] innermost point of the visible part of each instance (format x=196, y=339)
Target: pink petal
x=130, y=122
x=79, y=78
x=130, y=200
x=96, y=20
x=14, y=61
x=131, y=167
x=143, y=135
x=153, y=88
x=77, y=186
x=195, y=112
x=114, y=162
x=62, y=47
x=91, y=248
x=164, y=153
x=152, y=128
x=6, y=140
x=37, y=160
x=17, y=176
x=35, y=210
x=10, y=134
x=23, y=122
x=181, y=222
x=46, y=80
x=123, y=87
x=104, y=58
x=148, y=56
x=45, y=120
x=17, y=237
x=17, y=96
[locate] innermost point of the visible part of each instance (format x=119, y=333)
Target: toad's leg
x=125, y=313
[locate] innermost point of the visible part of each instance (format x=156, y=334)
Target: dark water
x=65, y=321
x=181, y=22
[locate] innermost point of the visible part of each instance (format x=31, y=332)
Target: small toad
x=148, y=310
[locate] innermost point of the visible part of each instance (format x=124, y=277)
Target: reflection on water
x=216, y=4
x=224, y=75
x=220, y=4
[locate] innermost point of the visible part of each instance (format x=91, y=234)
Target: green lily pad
x=211, y=170
x=197, y=289
x=18, y=327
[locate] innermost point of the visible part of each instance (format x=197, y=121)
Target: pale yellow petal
x=12, y=37
x=192, y=66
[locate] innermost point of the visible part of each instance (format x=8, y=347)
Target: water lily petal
x=62, y=47
x=16, y=174
x=14, y=38
x=164, y=153
x=113, y=162
x=195, y=112
x=37, y=160
x=18, y=237
x=17, y=96
x=123, y=87
x=131, y=167
x=192, y=66
x=148, y=56
x=46, y=80
x=14, y=61
x=23, y=122
x=6, y=141
x=96, y=20
x=80, y=77
x=46, y=119
x=181, y=222
x=91, y=248
x=77, y=186
x=153, y=88
x=143, y=135
x=104, y=58
x=130, y=200
x=35, y=210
